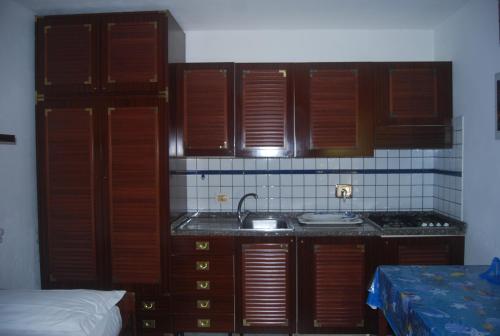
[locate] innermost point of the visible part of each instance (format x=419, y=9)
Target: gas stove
x=420, y=220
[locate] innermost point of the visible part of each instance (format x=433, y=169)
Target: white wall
x=470, y=39
x=309, y=45
x=19, y=266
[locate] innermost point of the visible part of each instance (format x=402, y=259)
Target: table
x=436, y=300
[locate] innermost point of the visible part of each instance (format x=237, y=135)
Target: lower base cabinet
x=333, y=273
x=265, y=285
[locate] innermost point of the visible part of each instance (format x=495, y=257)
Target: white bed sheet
x=58, y=313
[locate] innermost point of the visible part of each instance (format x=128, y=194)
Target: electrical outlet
x=222, y=198
x=343, y=191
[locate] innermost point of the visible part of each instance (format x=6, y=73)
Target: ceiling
x=273, y=14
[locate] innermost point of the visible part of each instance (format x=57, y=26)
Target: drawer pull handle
x=203, y=285
x=148, y=324
x=148, y=305
x=202, y=266
x=203, y=304
x=203, y=323
x=202, y=246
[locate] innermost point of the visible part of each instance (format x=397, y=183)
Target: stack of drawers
x=153, y=316
x=202, y=284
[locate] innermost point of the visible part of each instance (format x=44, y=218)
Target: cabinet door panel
x=70, y=210
x=334, y=109
x=66, y=55
x=133, y=187
x=264, y=115
x=133, y=52
x=206, y=109
x=266, y=285
x=414, y=106
x=339, y=281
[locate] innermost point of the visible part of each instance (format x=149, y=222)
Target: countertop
x=367, y=228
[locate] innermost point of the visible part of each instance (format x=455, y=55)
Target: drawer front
x=204, y=322
x=153, y=304
x=203, y=285
x=203, y=246
x=153, y=323
x=202, y=265
x=203, y=304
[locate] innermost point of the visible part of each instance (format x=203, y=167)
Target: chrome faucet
x=242, y=216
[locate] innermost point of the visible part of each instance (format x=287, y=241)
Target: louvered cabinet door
x=264, y=110
x=414, y=105
x=266, y=287
x=66, y=54
x=339, y=282
x=69, y=200
x=134, y=52
x=424, y=251
x=205, y=110
x=334, y=109
x=133, y=190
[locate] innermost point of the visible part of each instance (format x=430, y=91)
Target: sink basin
x=210, y=223
x=265, y=224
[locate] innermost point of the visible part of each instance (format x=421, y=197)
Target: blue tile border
x=316, y=172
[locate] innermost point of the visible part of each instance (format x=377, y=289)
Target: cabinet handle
x=148, y=324
x=203, y=323
x=202, y=265
x=203, y=304
x=223, y=146
x=202, y=246
x=204, y=285
x=148, y=305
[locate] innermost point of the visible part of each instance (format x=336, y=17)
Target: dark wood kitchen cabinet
x=333, y=274
x=203, y=284
x=334, y=107
x=444, y=250
x=414, y=106
x=265, y=285
x=205, y=109
x=102, y=135
x=105, y=53
x=264, y=110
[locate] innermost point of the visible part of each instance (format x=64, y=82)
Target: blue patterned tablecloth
x=436, y=300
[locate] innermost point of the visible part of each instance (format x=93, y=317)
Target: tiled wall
x=448, y=188
x=394, y=180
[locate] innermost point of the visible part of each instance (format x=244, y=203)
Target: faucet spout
x=242, y=216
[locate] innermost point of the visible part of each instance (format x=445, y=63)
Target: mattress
x=59, y=312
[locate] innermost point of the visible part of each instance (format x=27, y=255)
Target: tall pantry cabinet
x=102, y=133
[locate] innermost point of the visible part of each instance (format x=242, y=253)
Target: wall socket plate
x=343, y=190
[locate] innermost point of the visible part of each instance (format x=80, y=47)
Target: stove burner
x=410, y=220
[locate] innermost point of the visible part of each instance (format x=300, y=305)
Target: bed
x=77, y=312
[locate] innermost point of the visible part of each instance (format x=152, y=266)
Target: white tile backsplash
x=372, y=190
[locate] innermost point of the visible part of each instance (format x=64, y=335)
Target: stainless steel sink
x=268, y=223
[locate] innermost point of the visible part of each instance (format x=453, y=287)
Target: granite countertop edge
x=367, y=229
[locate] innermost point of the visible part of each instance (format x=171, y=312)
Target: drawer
x=202, y=265
x=152, y=304
x=202, y=246
x=152, y=323
x=203, y=304
x=201, y=323
x=203, y=285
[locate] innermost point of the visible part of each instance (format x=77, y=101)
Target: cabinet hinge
x=164, y=94
x=317, y=324
x=282, y=72
x=361, y=247
x=246, y=323
x=360, y=324
x=39, y=97
x=88, y=26
x=284, y=247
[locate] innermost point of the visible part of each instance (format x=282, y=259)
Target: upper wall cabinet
x=123, y=52
x=414, y=107
x=264, y=110
x=67, y=54
x=334, y=109
x=205, y=112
